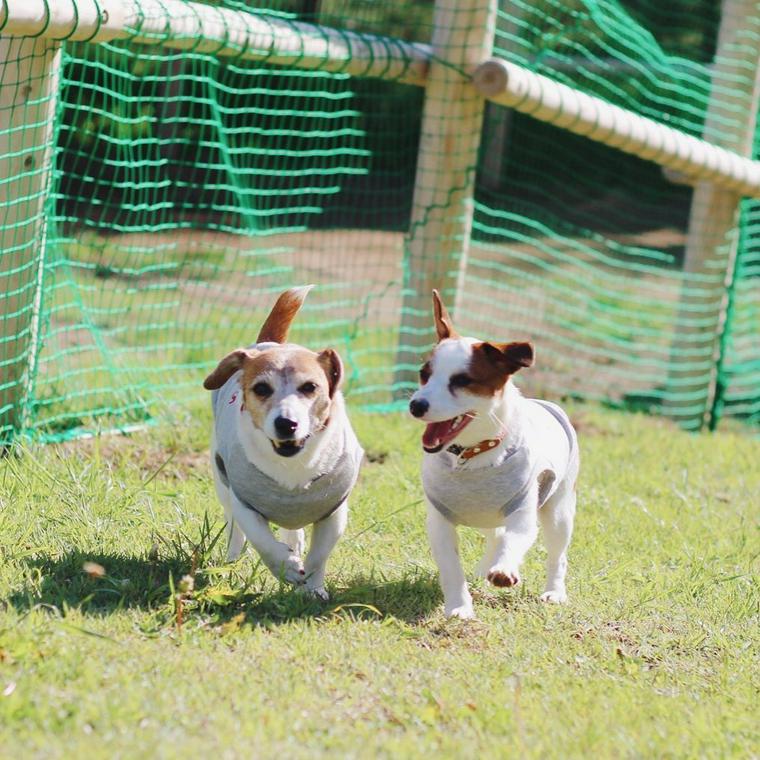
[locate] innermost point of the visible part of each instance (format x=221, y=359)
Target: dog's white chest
x=483, y=497
x=289, y=508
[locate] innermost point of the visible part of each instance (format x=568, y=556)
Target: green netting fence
x=169, y=166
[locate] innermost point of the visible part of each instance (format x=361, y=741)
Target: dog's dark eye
x=263, y=389
x=425, y=373
x=460, y=381
x=307, y=388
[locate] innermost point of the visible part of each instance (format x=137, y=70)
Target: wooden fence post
x=439, y=233
x=29, y=71
x=713, y=235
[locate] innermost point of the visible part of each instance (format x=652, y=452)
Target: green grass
x=654, y=656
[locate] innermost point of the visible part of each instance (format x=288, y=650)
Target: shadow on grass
x=408, y=599
x=125, y=582
x=118, y=582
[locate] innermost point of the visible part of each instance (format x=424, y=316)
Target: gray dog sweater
x=482, y=497
x=288, y=508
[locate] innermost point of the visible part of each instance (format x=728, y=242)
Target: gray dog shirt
x=482, y=497
x=288, y=508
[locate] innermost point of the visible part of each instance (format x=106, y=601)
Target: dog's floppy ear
x=333, y=367
x=444, y=327
x=511, y=356
x=277, y=325
x=226, y=368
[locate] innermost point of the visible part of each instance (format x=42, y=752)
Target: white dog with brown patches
x=494, y=461
x=283, y=450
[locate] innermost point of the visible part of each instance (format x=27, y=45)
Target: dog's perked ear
x=226, y=368
x=333, y=367
x=511, y=356
x=444, y=327
x=277, y=325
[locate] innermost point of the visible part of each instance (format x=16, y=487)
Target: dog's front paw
x=503, y=577
x=290, y=570
x=463, y=612
x=554, y=597
x=318, y=592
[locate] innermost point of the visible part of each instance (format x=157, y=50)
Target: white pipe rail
x=79, y=20
x=549, y=101
x=185, y=25
x=202, y=28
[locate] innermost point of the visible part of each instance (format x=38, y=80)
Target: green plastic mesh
x=584, y=248
x=188, y=190
x=739, y=368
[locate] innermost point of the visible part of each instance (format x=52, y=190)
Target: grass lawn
x=655, y=655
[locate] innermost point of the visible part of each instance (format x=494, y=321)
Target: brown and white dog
x=494, y=461
x=283, y=450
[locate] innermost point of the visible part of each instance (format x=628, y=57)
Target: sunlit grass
x=655, y=655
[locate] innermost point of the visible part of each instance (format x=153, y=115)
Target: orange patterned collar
x=468, y=452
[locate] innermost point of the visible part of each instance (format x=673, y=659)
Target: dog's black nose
x=284, y=426
x=418, y=407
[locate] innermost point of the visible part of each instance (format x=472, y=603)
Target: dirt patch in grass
x=149, y=457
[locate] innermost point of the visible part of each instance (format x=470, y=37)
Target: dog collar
x=468, y=452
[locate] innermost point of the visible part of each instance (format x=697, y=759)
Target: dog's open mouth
x=438, y=434
x=289, y=448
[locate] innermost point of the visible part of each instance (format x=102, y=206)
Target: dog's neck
x=502, y=421
x=320, y=453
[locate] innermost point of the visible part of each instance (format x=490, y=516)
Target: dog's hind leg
x=235, y=536
x=295, y=539
x=557, y=517
x=235, y=540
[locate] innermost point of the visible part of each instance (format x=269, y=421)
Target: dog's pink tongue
x=434, y=433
